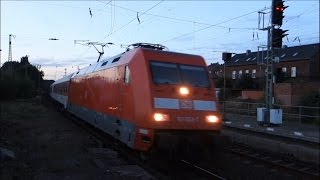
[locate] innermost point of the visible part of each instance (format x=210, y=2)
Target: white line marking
x=298, y=133
x=204, y=105
x=228, y=122
x=143, y=131
x=247, y=125
x=166, y=103
x=270, y=129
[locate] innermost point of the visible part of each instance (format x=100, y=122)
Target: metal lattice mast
x=10, y=49
x=269, y=81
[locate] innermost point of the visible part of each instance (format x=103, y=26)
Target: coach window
x=127, y=74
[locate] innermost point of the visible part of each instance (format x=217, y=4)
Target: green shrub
x=312, y=99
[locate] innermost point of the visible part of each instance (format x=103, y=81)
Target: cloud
x=61, y=62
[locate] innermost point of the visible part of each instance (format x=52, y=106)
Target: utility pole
x=10, y=51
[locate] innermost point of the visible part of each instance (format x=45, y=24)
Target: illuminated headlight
x=212, y=119
x=160, y=117
x=184, y=91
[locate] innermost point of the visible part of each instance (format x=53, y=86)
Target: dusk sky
x=198, y=27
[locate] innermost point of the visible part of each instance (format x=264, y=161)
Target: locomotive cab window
x=170, y=73
x=164, y=73
x=194, y=75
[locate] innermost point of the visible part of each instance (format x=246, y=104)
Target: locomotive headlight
x=212, y=119
x=160, y=117
x=184, y=91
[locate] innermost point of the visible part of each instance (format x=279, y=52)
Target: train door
x=125, y=93
x=124, y=111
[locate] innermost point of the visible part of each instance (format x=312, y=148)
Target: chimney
x=248, y=52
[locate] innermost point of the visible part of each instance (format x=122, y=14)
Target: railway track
x=160, y=168
x=283, y=162
x=207, y=173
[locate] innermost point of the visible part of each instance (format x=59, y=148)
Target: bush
x=312, y=99
x=15, y=87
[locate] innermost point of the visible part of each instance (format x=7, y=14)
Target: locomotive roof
x=111, y=62
x=64, y=79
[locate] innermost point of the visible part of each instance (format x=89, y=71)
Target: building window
x=240, y=74
x=253, y=73
x=233, y=74
x=284, y=69
x=293, y=72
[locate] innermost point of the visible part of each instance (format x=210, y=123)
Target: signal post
x=268, y=115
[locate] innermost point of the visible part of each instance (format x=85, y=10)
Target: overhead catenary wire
x=133, y=19
x=174, y=18
x=213, y=25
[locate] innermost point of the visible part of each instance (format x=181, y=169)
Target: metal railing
x=299, y=114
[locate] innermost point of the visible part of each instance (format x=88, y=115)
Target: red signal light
x=279, y=8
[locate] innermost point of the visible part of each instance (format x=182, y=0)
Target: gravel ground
x=48, y=146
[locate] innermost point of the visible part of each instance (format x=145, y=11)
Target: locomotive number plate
x=187, y=119
x=186, y=104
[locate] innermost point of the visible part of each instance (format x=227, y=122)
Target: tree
x=220, y=82
x=19, y=79
x=245, y=82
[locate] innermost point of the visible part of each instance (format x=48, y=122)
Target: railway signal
x=277, y=12
x=277, y=35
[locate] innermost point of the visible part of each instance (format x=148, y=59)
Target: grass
x=24, y=109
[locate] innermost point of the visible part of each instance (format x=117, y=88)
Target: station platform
x=293, y=130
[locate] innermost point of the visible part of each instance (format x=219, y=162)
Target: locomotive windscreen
x=171, y=73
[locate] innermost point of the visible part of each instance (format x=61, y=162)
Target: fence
x=300, y=114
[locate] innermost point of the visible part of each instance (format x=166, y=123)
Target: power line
x=133, y=19
x=213, y=25
x=177, y=19
x=303, y=13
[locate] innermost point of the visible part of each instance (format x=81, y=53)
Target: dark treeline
x=20, y=80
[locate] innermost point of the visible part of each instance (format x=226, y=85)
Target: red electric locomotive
x=144, y=97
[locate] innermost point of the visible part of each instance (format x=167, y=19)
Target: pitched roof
x=215, y=66
x=284, y=54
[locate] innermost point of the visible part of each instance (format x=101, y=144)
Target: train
x=146, y=97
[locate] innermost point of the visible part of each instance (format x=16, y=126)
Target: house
x=216, y=70
x=296, y=71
